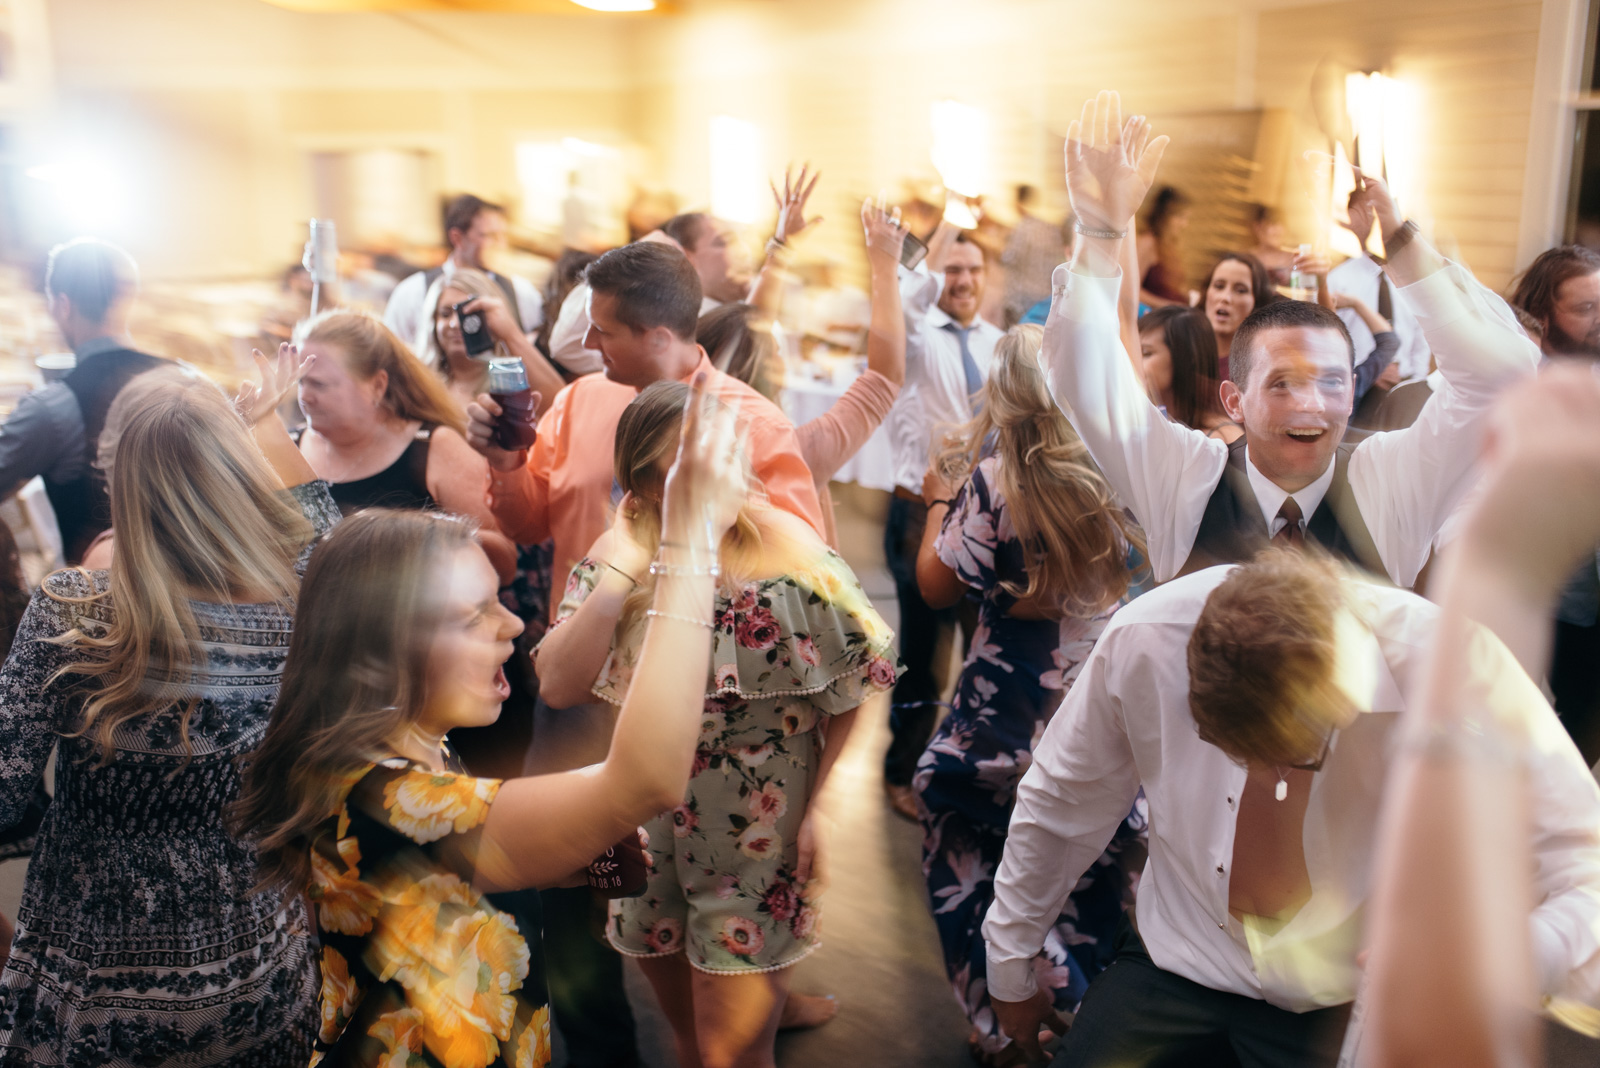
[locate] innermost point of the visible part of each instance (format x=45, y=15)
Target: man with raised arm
x=1292, y=478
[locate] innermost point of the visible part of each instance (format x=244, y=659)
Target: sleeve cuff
x=1011, y=979
x=1084, y=297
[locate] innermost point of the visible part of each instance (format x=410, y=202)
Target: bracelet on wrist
x=947, y=502
x=1401, y=237
x=706, y=623
x=677, y=570
x=1110, y=235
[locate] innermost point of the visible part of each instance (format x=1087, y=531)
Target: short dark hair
x=1536, y=289
x=1261, y=658
x=686, y=229
x=461, y=211
x=1277, y=315
x=655, y=285
x=92, y=274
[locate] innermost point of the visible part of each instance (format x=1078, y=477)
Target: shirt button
x=1230, y=802
x=1222, y=926
x=1219, y=869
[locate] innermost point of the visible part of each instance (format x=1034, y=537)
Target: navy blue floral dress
x=1015, y=675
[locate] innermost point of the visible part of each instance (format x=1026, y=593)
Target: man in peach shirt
x=643, y=306
x=644, y=303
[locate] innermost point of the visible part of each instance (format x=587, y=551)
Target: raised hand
x=1374, y=193
x=792, y=203
x=706, y=486
x=257, y=400
x=885, y=234
x=1110, y=165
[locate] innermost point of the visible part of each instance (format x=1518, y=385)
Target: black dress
x=141, y=940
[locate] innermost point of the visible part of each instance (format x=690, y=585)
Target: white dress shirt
x=572, y=326
x=1358, y=276
x=1405, y=482
x=934, y=397
x=410, y=314
x=1127, y=722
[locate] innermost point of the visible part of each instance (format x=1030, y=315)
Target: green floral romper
x=785, y=653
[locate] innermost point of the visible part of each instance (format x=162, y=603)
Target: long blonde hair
x=647, y=439
x=355, y=677
x=198, y=514
x=1075, y=535
x=414, y=392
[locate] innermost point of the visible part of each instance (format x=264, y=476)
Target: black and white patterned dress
x=139, y=940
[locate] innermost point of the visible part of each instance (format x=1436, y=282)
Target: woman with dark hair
x=355, y=798
x=1178, y=353
x=1237, y=285
x=1161, y=249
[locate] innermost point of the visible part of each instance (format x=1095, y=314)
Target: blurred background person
x=1031, y=254
x=475, y=232
x=174, y=657
x=90, y=287
x=293, y=304
x=1018, y=513
x=1161, y=275
x=1364, y=285
x=1237, y=285
x=1178, y=350
x=1269, y=237
x=445, y=351
x=949, y=349
x=564, y=278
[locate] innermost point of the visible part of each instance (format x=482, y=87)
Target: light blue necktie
x=968, y=365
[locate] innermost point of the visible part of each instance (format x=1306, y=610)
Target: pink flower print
x=806, y=649
x=781, y=900
x=968, y=547
x=727, y=886
x=880, y=672
x=753, y=756
x=797, y=719
x=702, y=761
x=1002, y=772
x=726, y=677
x=768, y=804
x=757, y=630
x=804, y=924
x=969, y=870
x=684, y=821
x=742, y=937
x=744, y=600
x=985, y=650
x=760, y=842
x=664, y=935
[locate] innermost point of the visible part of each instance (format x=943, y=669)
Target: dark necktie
x=969, y=366
x=1291, y=536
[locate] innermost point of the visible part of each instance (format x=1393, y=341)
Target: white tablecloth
x=872, y=467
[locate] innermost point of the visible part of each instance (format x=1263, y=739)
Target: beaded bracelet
x=682, y=619
x=1113, y=235
x=658, y=568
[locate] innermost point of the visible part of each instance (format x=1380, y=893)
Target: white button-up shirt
x=1358, y=276
x=934, y=399
x=1126, y=722
x=1406, y=482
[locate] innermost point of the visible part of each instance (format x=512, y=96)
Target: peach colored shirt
x=564, y=490
x=830, y=439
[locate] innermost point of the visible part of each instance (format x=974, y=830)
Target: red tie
x=1291, y=535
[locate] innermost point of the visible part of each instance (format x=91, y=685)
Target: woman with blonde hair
x=1037, y=532
x=383, y=430
x=141, y=938
x=732, y=899
x=445, y=350
x=356, y=798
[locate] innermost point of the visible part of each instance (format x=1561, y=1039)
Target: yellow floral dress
x=786, y=653
x=418, y=968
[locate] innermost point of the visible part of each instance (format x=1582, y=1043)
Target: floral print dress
x=786, y=653
x=1014, y=677
x=419, y=969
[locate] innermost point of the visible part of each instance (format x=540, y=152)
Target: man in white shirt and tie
x=1258, y=705
x=1378, y=502
x=948, y=352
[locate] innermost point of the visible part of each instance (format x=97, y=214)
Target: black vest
x=1233, y=530
x=81, y=505
x=432, y=274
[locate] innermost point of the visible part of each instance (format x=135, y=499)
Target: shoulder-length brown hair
x=1064, y=512
x=355, y=677
x=414, y=392
x=199, y=516
x=1196, y=368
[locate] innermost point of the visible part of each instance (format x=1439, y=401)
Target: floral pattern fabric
x=418, y=968
x=141, y=939
x=786, y=653
x=1014, y=677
